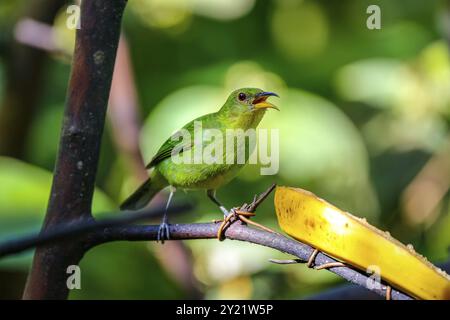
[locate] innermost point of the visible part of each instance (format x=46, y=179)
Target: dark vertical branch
x=76, y=165
x=24, y=75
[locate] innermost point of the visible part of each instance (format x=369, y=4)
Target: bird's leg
x=212, y=195
x=163, y=230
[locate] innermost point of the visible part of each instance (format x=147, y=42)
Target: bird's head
x=249, y=100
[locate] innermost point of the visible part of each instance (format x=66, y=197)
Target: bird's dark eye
x=242, y=96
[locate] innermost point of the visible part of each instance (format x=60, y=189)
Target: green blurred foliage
x=124, y=271
x=362, y=112
x=24, y=192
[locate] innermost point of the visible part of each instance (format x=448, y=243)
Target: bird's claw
x=241, y=215
x=228, y=215
x=163, y=232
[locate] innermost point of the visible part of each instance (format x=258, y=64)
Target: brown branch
x=242, y=233
x=354, y=292
x=117, y=229
x=68, y=230
x=76, y=166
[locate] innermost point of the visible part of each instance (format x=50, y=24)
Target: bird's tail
x=145, y=193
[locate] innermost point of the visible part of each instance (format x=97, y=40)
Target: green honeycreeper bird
x=244, y=109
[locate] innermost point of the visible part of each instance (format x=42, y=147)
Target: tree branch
x=70, y=230
x=118, y=229
x=242, y=233
x=354, y=292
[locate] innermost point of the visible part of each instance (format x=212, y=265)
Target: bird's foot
x=225, y=212
x=243, y=213
x=163, y=232
x=234, y=215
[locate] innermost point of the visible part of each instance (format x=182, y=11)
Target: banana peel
x=312, y=220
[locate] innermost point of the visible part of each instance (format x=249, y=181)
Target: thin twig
x=257, y=201
x=287, y=261
x=331, y=265
x=256, y=224
x=388, y=292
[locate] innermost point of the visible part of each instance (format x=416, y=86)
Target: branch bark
x=240, y=232
x=353, y=292
x=68, y=231
x=95, y=233
x=76, y=165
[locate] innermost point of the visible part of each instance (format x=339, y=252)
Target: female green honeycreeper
x=243, y=110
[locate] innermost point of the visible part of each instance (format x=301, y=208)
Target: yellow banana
x=309, y=219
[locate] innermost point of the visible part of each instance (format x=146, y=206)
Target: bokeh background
x=364, y=123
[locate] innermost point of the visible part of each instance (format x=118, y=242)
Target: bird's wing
x=166, y=149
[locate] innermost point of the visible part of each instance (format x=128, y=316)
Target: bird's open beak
x=260, y=101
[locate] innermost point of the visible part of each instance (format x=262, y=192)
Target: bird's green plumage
x=234, y=114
